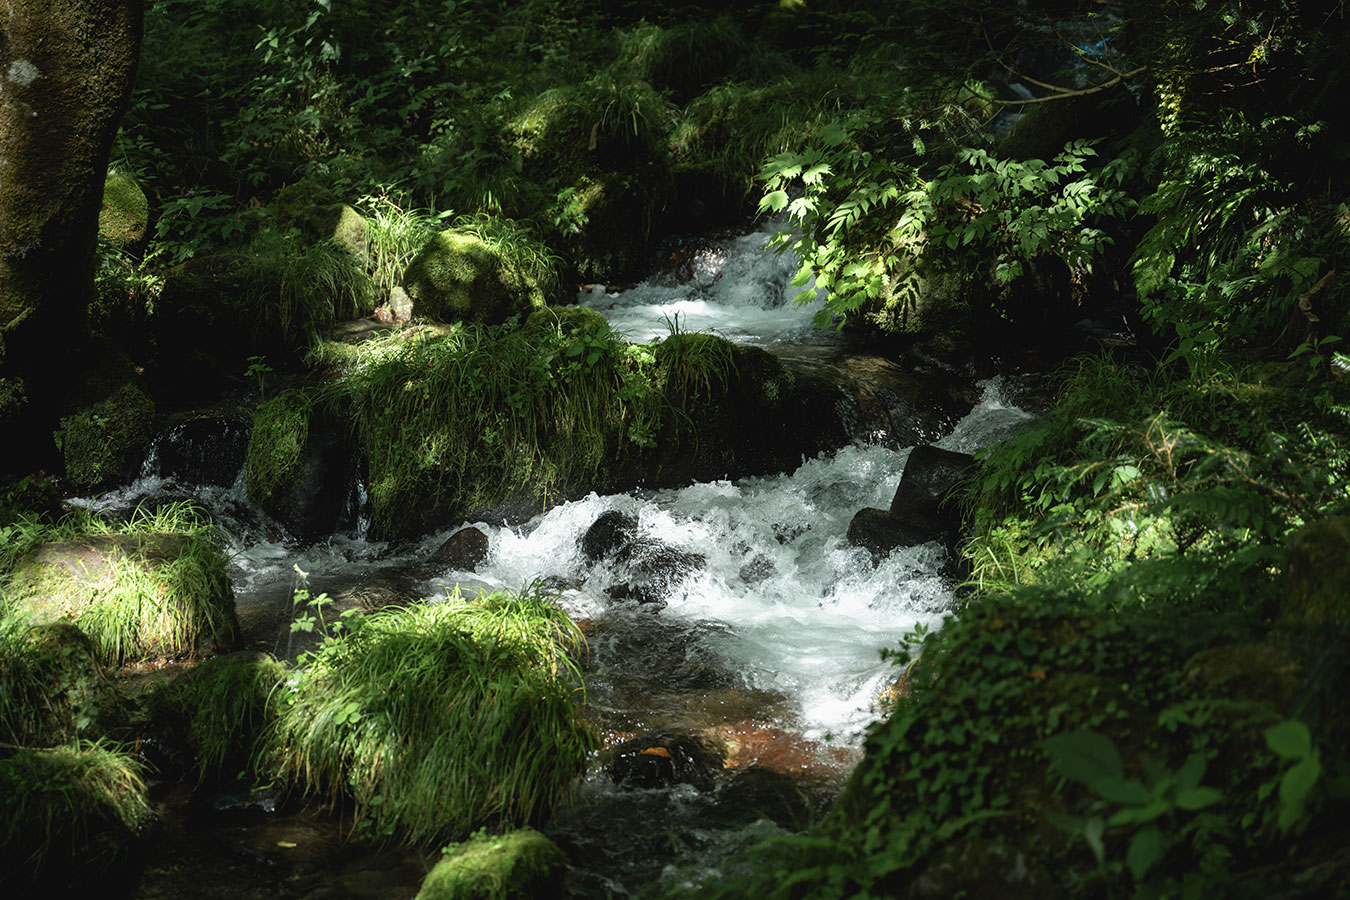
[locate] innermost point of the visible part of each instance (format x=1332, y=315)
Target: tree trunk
x=66, y=72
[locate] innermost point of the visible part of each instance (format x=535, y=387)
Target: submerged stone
x=465, y=550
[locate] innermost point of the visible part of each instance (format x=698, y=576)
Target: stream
x=754, y=670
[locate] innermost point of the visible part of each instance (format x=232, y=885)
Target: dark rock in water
x=240, y=803
x=465, y=549
x=921, y=510
x=758, y=792
x=608, y=534
x=879, y=531
x=931, y=474
x=758, y=569
x=205, y=447
x=656, y=570
x=645, y=594
x=662, y=759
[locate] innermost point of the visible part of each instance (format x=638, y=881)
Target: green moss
x=53, y=688
x=1317, y=570
x=102, y=443
x=441, y=717
x=152, y=588
x=480, y=275
x=518, y=865
x=221, y=708
x=67, y=812
x=276, y=449
x=125, y=214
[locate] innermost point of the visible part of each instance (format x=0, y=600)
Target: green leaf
x=1084, y=756
x=1093, y=829
x=774, y=201
x=1138, y=815
x=1198, y=798
x=1191, y=772
x=1125, y=791
x=1144, y=853
x=1299, y=781
x=1289, y=739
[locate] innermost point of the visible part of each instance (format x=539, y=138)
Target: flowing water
x=759, y=664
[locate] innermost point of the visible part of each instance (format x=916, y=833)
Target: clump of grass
x=152, y=587
x=687, y=58
x=395, y=236
x=222, y=706
x=52, y=685
x=67, y=811
x=296, y=287
x=438, y=718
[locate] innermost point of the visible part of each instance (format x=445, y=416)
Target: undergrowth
x=438, y=718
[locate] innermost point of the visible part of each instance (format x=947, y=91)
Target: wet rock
x=879, y=532
x=464, y=550
x=978, y=867
x=759, y=568
x=760, y=793
x=662, y=759
x=931, y=474
x=608, y=534
x=921, y=510
x=206, y=447
x=240, y=803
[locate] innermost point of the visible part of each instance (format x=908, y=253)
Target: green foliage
x=156, y=589
x=276, y=447
x=459, y=419
x=52, y=685
x=67, y=811
x=1145, y=490
x=440, y=717
x=1240, y=250
x=296, y=287
x=222, y=707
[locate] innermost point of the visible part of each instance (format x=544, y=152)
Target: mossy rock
x=217, y=711
x=53, y=687
x=518, y=865
x=320, y=215
x=125, y=215
x=297, y=466
x=138, y=596
x=104, y=443
x=67, y=814
x=567, y=321
x=461, y=276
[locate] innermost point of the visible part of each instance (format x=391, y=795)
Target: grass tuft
x=439, y=718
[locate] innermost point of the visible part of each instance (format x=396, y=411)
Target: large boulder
x=922, y=509
x=320, y=215
x=300, y=466
x=104, y=443
x=460, y=275
x=143, y=595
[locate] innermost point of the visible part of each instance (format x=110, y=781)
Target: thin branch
x=1081, y=92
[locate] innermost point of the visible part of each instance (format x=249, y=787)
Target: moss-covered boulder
x=215, y=712
x=299, y=465
x=141, y=595
x=320, y=215
x=68, y=814
x=518, y=865
x=53, y=688
x=104, y=443
x=461, y=275
x=125, y=215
